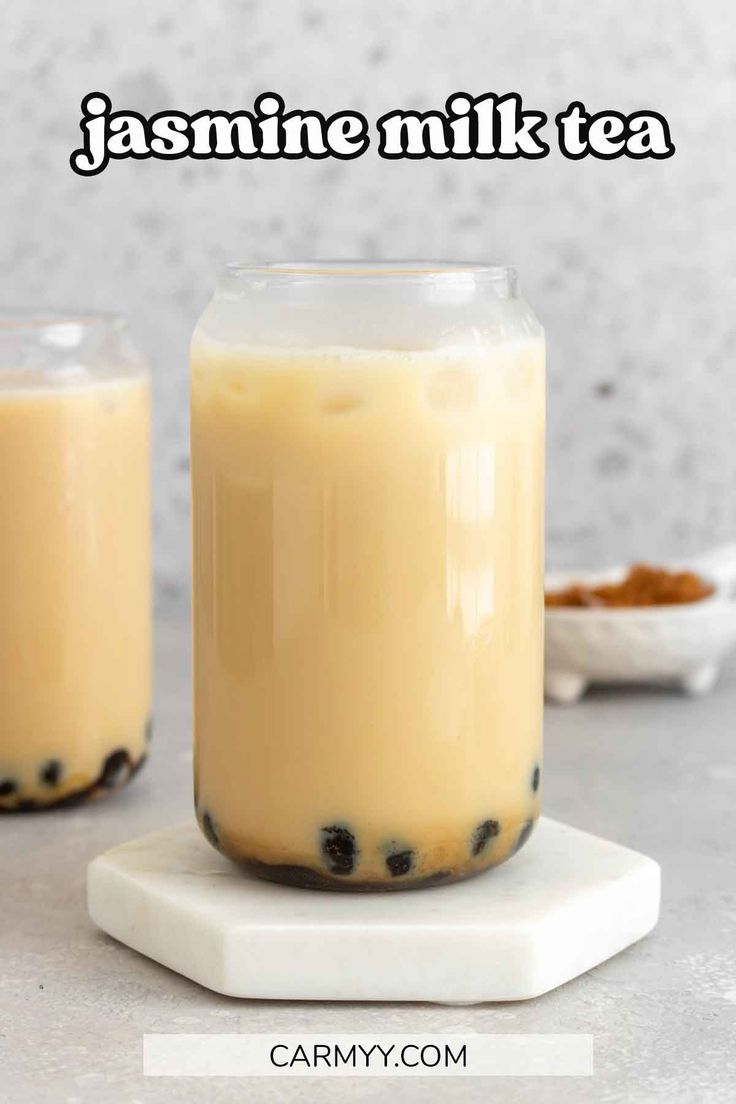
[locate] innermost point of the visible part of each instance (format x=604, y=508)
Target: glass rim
x=41, y=318
x=367, y=271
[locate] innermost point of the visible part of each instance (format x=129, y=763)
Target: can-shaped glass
x=75, y=559
x=367, y=467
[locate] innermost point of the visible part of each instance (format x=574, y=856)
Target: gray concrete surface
x=649, y=769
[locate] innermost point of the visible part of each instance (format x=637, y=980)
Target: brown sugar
x=643, y=585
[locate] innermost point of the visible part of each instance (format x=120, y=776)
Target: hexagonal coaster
x=566, y=902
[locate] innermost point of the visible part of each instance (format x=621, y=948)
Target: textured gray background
x=629, y=264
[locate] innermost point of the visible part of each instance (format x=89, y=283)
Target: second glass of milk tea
x=75, y=559
x=367, y=464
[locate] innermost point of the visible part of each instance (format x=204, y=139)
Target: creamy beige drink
x=75, y=690
x=368, y=606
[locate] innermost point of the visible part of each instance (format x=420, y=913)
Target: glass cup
x=367, y=466
x=75, y=559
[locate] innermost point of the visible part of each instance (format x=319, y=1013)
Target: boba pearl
x=485, y=831
x=524, y=835
x=51, y=772
x=115, y=769
x=339, y=849
x=400, y=863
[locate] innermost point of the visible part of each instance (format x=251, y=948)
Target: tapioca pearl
x=399, y=863
x=8, y=786
x=50, y=773
x=208, y=827
x=482, y=834
x=536, y=778
x=339, y=849
x=116, y=769
x=524, y=835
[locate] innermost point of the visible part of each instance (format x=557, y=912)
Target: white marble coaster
x=565, y=903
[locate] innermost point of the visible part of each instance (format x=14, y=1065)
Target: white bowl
x=684, y=644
